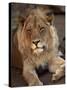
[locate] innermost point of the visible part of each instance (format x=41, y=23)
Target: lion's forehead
x=37, y=15
x=35, y=21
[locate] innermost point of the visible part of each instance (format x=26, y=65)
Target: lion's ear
x=50, y=17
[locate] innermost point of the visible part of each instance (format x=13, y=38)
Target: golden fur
x=38, y=44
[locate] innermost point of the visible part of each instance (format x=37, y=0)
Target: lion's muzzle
x=39, y=47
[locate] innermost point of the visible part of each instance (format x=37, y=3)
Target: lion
x=37, y=42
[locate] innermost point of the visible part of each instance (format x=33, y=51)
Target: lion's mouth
x=38, y=49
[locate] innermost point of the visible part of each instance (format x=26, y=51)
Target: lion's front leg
x=57, y=67
x=31, y=76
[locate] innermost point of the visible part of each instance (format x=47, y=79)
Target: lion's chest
x=41, y=66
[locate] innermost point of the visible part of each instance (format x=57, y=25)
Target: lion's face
x=37, y=32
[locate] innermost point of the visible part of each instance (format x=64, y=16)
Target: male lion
x=38, y=45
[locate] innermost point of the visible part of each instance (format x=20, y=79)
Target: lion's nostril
x=43, y=47
x=36, y=42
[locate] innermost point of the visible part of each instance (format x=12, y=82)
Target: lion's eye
x=29, y=30
x=42, y=29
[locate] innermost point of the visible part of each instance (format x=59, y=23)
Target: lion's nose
x=36, y=42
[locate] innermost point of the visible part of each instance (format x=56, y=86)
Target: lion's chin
x=38, y=51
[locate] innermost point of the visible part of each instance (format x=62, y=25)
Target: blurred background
x=20, y=9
